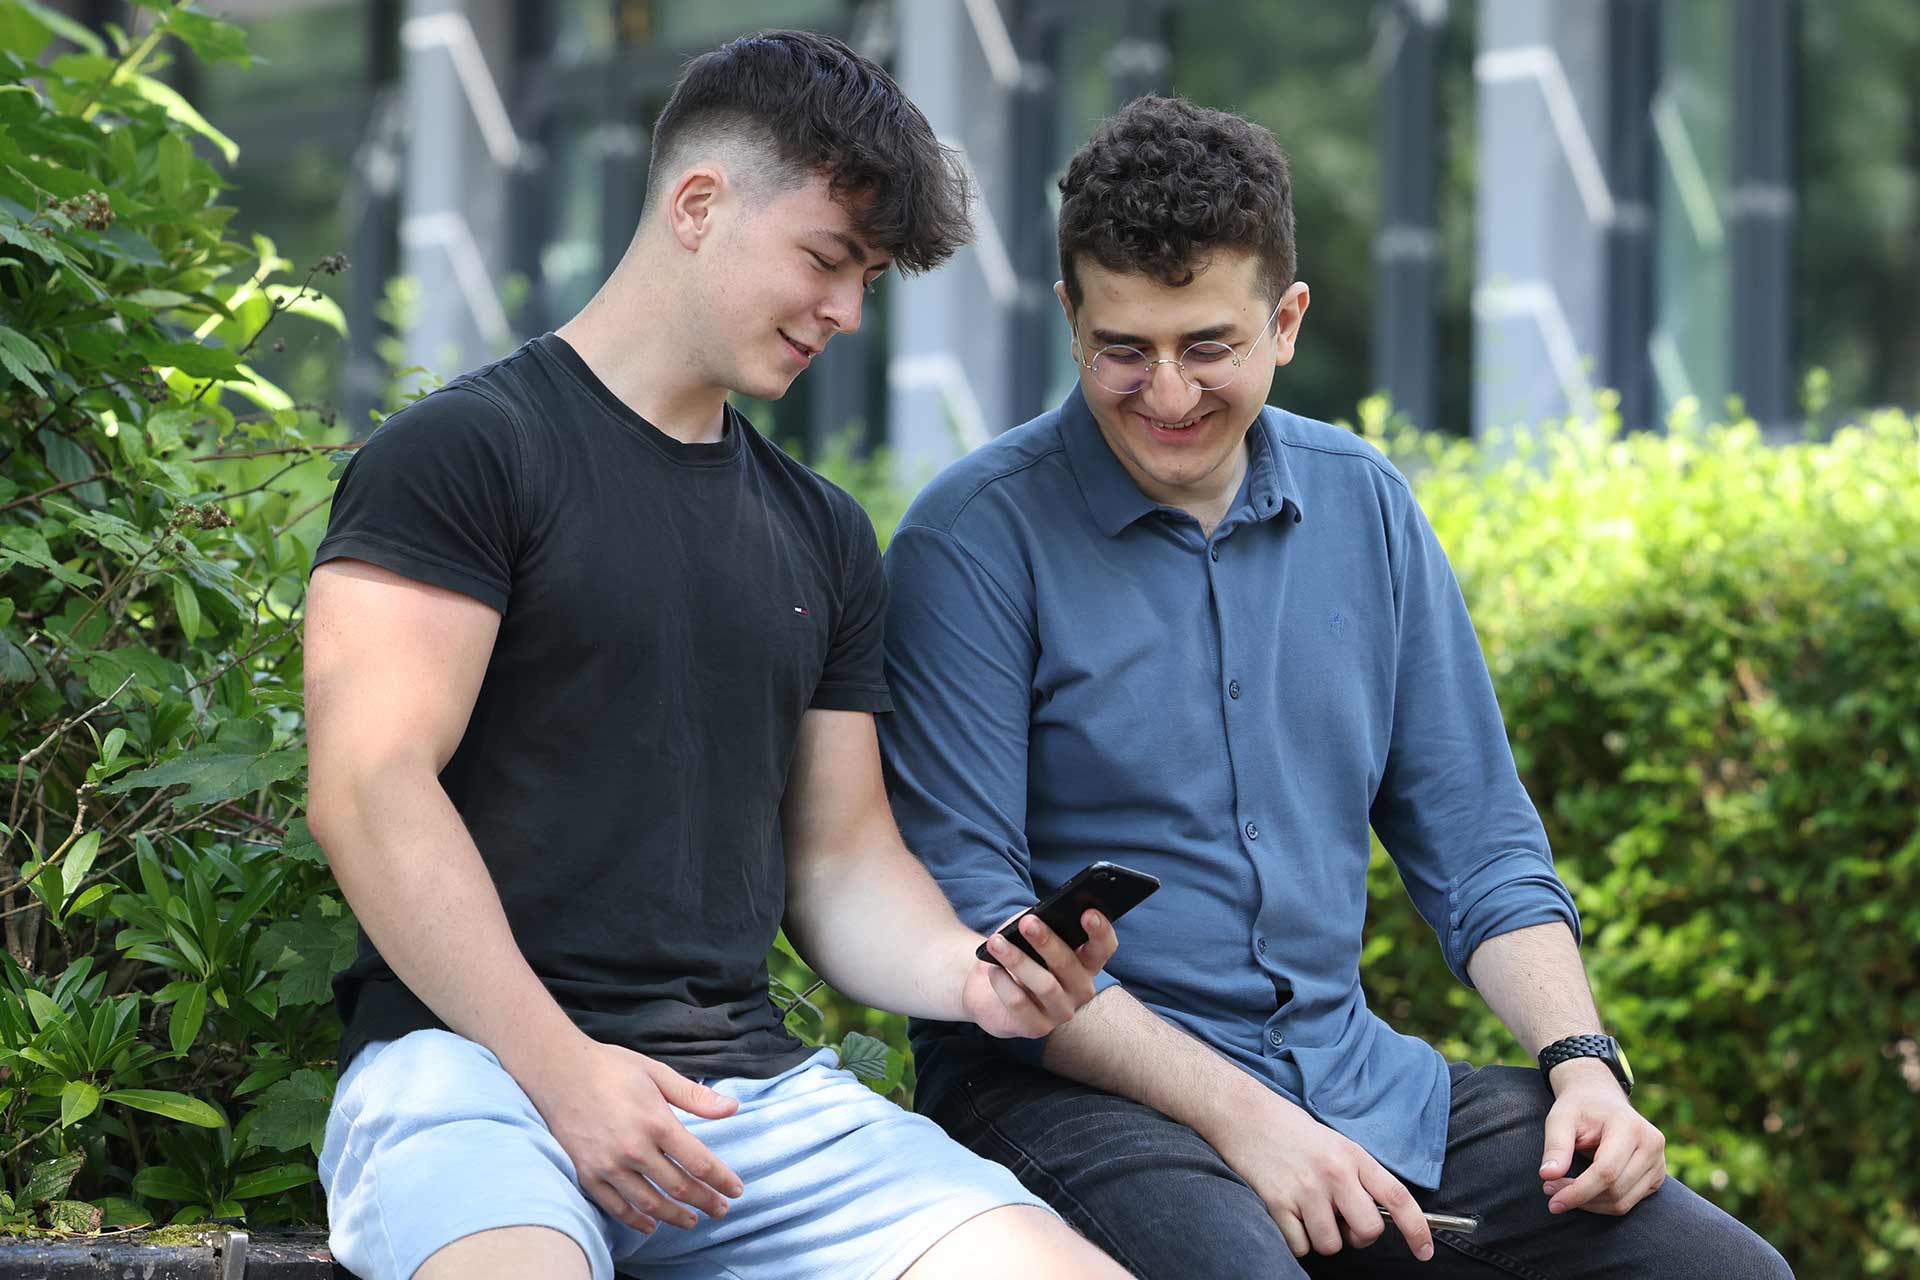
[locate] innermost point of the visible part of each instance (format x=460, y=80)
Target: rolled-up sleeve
x=1450, y=807
x=960, y=657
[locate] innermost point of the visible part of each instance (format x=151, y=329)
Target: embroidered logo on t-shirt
x=800, y=610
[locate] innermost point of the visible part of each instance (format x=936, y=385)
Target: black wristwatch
x=1605, y=1048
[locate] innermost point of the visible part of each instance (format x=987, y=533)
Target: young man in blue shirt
x=1169, y=626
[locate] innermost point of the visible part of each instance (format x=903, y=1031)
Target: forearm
x=1534, y=982
x=1118, y=1044
x=870, y=920
x=418, y=886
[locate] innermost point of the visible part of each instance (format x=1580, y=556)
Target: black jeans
x=1161, y=1201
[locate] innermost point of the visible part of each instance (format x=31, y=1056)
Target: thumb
x=1557, y=1157
x=691, y=1096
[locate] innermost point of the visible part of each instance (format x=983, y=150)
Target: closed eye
x=821, y=262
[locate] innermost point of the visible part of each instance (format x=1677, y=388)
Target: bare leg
x=1014, y=1241
x=508, y=1253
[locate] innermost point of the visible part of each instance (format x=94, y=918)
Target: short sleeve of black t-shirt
x=432, y=496
x=855, y=675
x=669, y=612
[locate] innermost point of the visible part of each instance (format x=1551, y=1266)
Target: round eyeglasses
x=1205, y=366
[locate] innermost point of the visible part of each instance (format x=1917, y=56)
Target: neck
x=625, y=337
x=1208, y=499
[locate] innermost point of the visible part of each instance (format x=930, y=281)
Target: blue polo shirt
x=1079, y=673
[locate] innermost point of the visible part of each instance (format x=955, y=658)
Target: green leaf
x=310, y=303
x=194, y=359
x=309, y=952
x=23, y=358
x=293, y=1113
x=49, y=1179
x=74, y=1216
x=78, y=1100
x=215, y=772
x=45, y=1012
x=864, y=1055
x=81, y=857
x=187, y=605
x=158, y=299
x=15, y=666
x=174, y=1106
x=271, y=1182
x=301, y=846
x=45, y=881
x=212, y=39
x=189, y=1012
x=165, y=1182
x=118, y=1211
x=61, y=25
x=181, y=111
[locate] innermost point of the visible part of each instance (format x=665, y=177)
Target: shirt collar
x=1114, y=501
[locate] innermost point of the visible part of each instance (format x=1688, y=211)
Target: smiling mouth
x=1174, y=428
x=806, y=352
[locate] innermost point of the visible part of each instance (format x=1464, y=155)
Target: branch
x=268, y=453
x=66, y=484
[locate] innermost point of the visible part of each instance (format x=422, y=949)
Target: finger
x=1553, y=1185
x=692, y=1155
x=1609, y=1162
x=685, y=1094
x=1101, y=941
x=1038, y=983
x=1322, y=1231
x=1060, y=960
x=1392, y=1195
x=685, y=1192
x=1295, y=1233
x=629, y=1198
x=1628, y=1188
x=1026, y=1017
x=1655, y=1178
x=1359, y=1216
x=1556, y=1158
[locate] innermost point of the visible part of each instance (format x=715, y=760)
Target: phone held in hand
x=1106, y=887
x=1460, y=1224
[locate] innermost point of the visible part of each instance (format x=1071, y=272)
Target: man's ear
x=1286, y=325
x=691, y=205
x=1066, y=305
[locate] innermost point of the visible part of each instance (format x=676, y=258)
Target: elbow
x=348, y=790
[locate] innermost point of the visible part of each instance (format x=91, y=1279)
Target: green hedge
x=1707, y=650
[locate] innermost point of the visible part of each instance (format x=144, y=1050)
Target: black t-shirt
x=669, y=611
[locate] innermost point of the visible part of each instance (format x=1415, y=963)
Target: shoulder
x=1023, y=466
x=1323, y=450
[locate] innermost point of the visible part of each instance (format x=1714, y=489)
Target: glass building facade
x=1504, y=206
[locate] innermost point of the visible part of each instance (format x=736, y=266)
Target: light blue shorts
x=431, y=1140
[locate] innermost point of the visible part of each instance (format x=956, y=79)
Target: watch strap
x=1602, y=1047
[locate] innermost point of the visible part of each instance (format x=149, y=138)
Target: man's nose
x=843, y=306
x=1168, y=395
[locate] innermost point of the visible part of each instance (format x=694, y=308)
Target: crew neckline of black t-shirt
x=714, y=454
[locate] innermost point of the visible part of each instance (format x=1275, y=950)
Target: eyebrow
x=854, y=248
x=1212, y=333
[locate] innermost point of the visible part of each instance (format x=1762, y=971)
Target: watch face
x=1620, y=1056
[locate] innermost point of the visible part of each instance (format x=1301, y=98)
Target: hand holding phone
x=1106, y=887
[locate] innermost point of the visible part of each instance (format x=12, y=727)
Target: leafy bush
x=1708, y=653
x=166, y=1034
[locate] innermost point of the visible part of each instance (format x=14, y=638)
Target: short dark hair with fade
x=818, y=107
x=1162, y=183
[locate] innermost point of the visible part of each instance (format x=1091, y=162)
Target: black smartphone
x=1106, y=887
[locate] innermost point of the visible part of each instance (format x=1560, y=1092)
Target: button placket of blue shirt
x=1237, y=706
x=1232, y=708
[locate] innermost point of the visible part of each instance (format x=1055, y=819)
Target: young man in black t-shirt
x=591, y=672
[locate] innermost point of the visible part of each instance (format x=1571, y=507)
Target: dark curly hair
x=817, y=107
x=1163, y=182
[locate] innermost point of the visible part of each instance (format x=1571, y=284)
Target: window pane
x=1859, y=192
